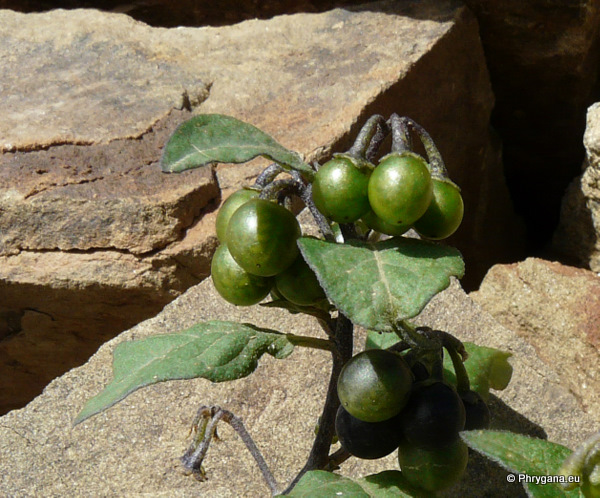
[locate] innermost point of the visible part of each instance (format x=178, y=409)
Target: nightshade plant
x=413, y=389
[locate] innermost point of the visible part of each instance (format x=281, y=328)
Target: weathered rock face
x=133, y=447
x=543, y=58
x=93, y=238
x=578, y=235
x=166, y=13
x=556, y=309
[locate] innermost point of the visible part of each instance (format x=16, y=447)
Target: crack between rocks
x=51, y=186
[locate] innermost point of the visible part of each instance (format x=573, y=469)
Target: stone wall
x=93, y=238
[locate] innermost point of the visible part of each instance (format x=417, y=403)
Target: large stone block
x=133, y=448
x=543, y=57
x=89, y=98
x=578, y=235
x=556, y=308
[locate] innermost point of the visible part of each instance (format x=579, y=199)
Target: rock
x=555, y=308
x=133, y=447
x=578, y=234
x=188, y=12
x=86, y=215
x=543, y=58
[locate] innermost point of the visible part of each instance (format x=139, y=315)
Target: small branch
x=369, y=138
x=378, y=138
x=319, y=454
x=311, y=342
x=462, y=378
x=434, y=158
x=401, y=140
x=237, y=424
x=211, y=416
x=320, y=220
x=327, y=326
x=407, y=332
x=336, y=459
x=281, y=187
x=268, y=175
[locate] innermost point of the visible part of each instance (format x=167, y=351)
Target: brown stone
x=80, y=190
x=578, y=235
x=133, y=448
x=543, y=58
x=165, y=13
x=555, y=308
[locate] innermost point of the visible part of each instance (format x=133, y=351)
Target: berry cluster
x=384, y=407
x=398, y=194
x=387, y=402
x=258, y=253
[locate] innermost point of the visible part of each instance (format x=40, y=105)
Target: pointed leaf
x=215, y=350
x=377, y=285
x=387, y=484
x=486, y=367
x=523, y=455
x=209, y=138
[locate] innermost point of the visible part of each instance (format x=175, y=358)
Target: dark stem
x=401, y=140
x=210, y=417
x=319, y=454
x=268, y=175
x=337, y=458
x=321, y=221
x=462, y=378
x=237, y=424
x=434, y=158
x=278, y=188
x=369, y=138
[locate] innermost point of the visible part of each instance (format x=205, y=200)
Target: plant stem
x=337, y=458
x=462, y=378
x=277, y=187
x=434, y=158
x=321, y=221
x=211, y=416
x=401, y=140
x=369, y=138
x=406, y=331
x=319, y=454
x=268, y=175
x=311, y=342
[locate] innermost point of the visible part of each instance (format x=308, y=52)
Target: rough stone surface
x=556, y=309
x=578, y=235
x=543, y=58
x=132, y=448
x=84, y=212
x=166, y=13
x=108, y=197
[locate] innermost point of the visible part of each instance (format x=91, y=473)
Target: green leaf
x=209, y=138
x=387, y=484
x=377, y=285
x=316, y=311
x=215, y=350
x=486, y=367
x=380, y=340
x=523, y=455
